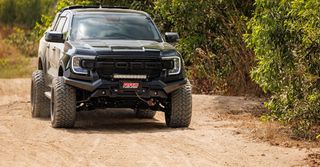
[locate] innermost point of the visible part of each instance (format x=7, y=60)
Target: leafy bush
x=23, y=12
x=12, y=63
x=215, y=53
x=286, y=38
x=22, y=15
x=24, y=40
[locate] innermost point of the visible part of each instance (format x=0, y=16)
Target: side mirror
x=56, y=37
x=171, y=37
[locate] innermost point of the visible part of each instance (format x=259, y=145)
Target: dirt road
x=116, y=138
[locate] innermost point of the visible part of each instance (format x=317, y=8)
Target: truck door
x=56, y=49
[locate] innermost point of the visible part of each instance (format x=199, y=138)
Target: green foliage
x=285, y=38
x=12, y=63
x=42, y=25
x=23, y=12
x=24, y=40
x=7, y=11
x=212, y=43
x=23, y=15
x=16, y=67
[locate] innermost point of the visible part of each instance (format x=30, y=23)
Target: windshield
x=113, y=26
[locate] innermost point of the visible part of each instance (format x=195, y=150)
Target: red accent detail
x=129, y=85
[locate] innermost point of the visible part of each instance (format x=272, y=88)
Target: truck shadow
x=117, y=121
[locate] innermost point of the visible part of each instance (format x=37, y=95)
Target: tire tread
x=64, y=97
x=41, y=108
x=181, y=108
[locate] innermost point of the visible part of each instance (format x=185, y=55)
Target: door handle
x=54, y=48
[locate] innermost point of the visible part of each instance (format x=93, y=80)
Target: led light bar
x=124, y=76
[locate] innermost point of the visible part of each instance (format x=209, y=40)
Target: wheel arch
x=41, y=64
x=60, y=71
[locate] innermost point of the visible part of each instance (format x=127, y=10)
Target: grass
x=13, y=64
x=18, y=67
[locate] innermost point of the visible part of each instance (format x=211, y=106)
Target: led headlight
x=176, y=65
x=76, y=64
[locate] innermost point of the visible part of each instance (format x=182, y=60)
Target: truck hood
x=114, y=46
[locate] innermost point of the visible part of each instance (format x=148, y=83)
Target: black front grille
x=151, y=67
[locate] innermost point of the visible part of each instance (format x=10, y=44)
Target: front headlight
x=76, y=64
x=176, y=60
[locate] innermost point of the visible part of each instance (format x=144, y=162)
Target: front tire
x=180, y=111
x=63, y=104
x=40, y=104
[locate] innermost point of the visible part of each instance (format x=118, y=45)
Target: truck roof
x=77, y=9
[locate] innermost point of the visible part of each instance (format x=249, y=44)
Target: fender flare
x=61, y=69
x=42, y=62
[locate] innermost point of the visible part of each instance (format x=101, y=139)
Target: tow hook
x=151, y=103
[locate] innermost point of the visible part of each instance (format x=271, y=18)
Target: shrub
x=12, y=63
x=24, y=40
x=215, y=53
x=23, y=13
x=285, y=37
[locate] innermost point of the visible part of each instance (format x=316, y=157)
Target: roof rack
x=91, y=7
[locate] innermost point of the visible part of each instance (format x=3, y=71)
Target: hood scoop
x=127, y=49
x=99, y=45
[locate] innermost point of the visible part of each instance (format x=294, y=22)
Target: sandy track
x=116, y=138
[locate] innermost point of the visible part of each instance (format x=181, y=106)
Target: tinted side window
x=54, y=23
x=66, y=25
x=61, y=23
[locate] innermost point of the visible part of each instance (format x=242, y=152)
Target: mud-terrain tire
x=40, y=104
x=180, y=111
x=145, y=113
x=63, y=104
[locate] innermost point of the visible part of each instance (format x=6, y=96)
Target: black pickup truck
x=109, y=57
